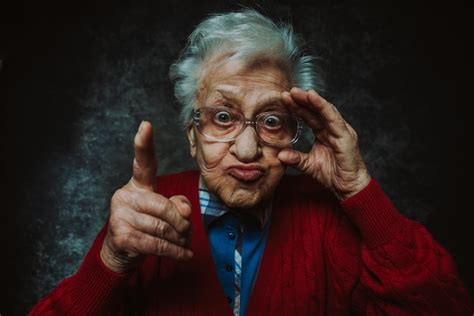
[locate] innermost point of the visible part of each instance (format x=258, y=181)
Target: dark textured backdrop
x=79, y=76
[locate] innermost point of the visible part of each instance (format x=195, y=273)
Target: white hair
x=244, y=34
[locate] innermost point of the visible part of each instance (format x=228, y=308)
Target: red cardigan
x=323, y=257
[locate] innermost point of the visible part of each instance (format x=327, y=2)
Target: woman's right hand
x=143, y=222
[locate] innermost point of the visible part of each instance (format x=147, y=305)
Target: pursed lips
x=246, y=172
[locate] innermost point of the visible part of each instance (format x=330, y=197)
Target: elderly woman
x=241, y=237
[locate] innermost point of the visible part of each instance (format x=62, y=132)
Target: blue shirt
x=237, y=242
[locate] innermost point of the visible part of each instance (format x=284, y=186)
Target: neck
x=261, y=211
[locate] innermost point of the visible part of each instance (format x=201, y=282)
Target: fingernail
x=185, y=202
x=295, y=89
x=141, y=127
x=285, y=93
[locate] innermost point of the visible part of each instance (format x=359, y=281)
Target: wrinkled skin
x=250, y=91
x=335, y=159
x=143, y=222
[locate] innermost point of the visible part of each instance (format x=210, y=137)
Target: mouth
x=246, y=173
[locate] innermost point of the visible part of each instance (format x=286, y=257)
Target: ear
x=192, y=141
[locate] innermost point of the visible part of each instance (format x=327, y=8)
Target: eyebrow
x=267, y=104
x=273, y=103
x=228, y=94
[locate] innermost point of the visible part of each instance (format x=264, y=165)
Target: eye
x=222, y=117
x=272, y=122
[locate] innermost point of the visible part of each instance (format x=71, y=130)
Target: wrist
x=119, y=263
x=355, y=187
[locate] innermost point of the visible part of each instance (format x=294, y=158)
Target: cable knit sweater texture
x=323, y=257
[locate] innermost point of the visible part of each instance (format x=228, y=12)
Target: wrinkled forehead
x=247, y=85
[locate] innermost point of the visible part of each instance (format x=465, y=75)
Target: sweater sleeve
x=404, y=270
x=92, y=290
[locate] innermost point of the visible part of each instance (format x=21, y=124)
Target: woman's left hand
x=334, y=160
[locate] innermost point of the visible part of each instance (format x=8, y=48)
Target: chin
x=239, y=194
x=236, y=193
x=242, y=198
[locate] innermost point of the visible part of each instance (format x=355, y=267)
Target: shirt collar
x=212, y=207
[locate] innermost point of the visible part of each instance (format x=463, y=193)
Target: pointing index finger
x=144, y=163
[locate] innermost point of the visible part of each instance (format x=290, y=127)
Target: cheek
x=271, y=159
x=210, y=155
x=275, y=167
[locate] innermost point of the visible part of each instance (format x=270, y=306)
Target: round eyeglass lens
x=277, y=128
x=219, y=123
x=225, y=124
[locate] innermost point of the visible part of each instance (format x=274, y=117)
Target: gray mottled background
x=80, y=76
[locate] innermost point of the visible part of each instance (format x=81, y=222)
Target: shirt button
x=229, y=267
x=231, y=236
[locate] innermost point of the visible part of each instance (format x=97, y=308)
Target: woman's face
x=243, y=172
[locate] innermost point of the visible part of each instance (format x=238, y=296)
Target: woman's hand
x=143, y=222
x=334, y=160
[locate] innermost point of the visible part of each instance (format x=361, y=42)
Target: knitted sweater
x=323, y=257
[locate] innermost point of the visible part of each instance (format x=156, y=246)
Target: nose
x=246, y=146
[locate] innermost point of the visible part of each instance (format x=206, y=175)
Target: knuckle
x=160, y=228
x=334, y=107
x=136, y=167
x=145, y=167
x=154, y=203
x=166, y=204
x=161, y=204
x=121, y=242
x=139, y=144
x=119, y=221
x=165, y=229
x=335, y=142
x=122, y=196
x=162, y=247
x=118, y=197
x=132, y=198
x=184, y=226
x=115, y=221
x=356, y=137
x=354, y=134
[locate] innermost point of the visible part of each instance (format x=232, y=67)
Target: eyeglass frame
x=246, y=122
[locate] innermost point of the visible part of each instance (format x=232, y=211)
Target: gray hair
x=245, y=34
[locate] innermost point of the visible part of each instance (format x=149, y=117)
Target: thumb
x=182, y=204
x=292, y=157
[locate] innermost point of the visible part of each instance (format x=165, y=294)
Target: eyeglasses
x=223, y=124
